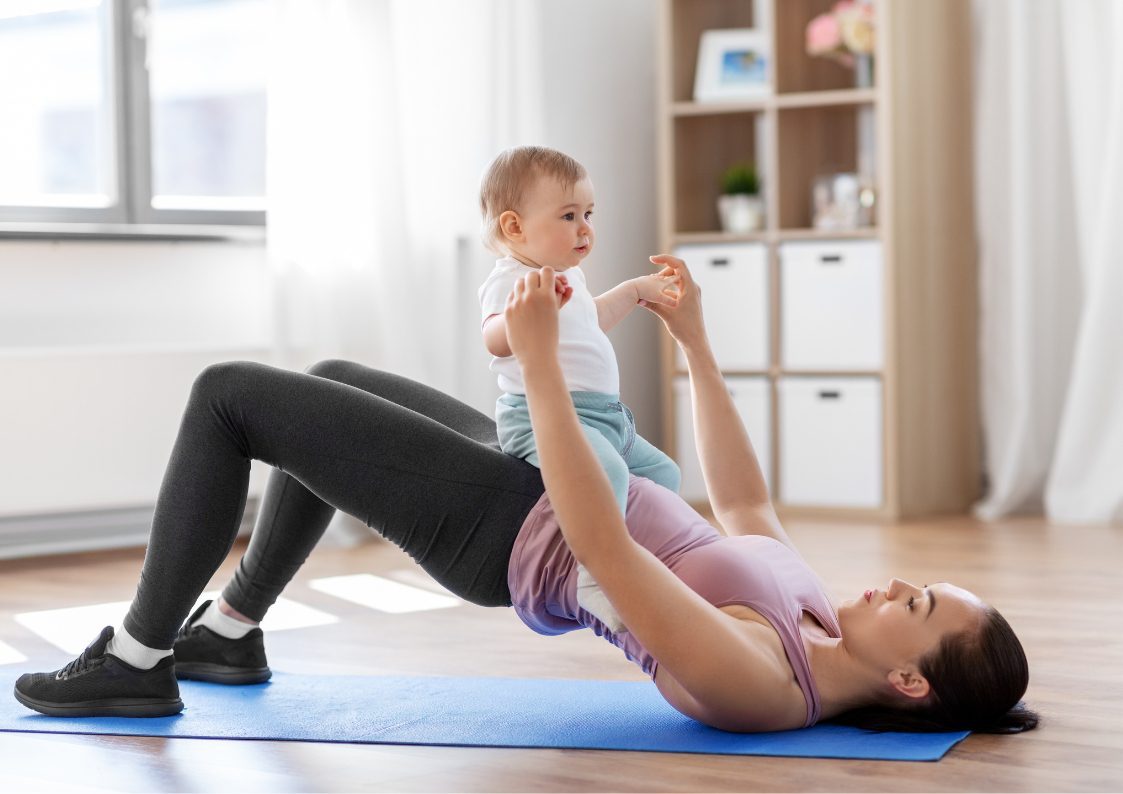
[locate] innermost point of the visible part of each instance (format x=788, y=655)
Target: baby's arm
x=616, y=304
x=495, y=327
x=495, y=336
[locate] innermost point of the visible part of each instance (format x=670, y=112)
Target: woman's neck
x=842, y=681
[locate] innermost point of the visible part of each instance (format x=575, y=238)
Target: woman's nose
x=897, y=586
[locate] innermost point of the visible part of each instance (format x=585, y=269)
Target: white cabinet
x=830, y=441
x=734, y=283
x=753, y=399
x=831, y=305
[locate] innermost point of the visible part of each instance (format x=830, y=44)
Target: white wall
x=600, y=107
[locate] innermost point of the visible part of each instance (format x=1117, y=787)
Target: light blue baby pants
x=610, y=428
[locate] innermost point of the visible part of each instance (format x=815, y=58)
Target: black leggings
x=420, y=467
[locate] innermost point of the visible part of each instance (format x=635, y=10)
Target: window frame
x=127, y=90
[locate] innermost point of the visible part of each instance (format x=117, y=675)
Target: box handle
x=719, y=262
x=830, y=395
x=831, y=259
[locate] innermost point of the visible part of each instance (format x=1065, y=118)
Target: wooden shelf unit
x=921, y=167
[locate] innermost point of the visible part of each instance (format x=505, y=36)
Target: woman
x=735, y=629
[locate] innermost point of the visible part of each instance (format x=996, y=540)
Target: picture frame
x=733, y=64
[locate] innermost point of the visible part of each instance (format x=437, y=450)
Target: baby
x=537, y=206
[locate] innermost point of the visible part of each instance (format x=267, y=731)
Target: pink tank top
x=753, y=570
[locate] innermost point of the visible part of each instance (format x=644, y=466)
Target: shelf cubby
x=688, y=21
x=813, y=141
x=705, y=146
x=796, y=71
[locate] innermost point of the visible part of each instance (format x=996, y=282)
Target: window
x=133, y=111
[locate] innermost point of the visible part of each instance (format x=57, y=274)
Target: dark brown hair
x=977, y=680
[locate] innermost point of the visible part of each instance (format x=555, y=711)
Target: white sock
x=130, y=650
x=223, y=625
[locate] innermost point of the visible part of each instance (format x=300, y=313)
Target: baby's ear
x=510, y=225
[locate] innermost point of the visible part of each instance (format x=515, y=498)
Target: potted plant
x=740, y=206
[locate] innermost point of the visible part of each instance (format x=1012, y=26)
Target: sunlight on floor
x=382, y=594
x=73, y=628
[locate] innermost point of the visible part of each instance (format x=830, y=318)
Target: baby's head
x=537, y=206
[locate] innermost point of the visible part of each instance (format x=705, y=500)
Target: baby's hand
x=659, y=287
x=562, y=289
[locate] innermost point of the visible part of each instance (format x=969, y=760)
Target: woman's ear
x=909, y=683
x=511, y=225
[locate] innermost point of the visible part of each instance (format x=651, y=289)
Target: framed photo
x=733, y=64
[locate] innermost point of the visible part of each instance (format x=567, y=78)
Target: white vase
x=740, y=213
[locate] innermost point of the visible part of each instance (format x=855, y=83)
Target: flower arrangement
x=843, y=32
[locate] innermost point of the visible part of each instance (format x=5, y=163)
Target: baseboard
x=66, y=533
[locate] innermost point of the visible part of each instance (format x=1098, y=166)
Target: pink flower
x=844, y=31
x=823, y=34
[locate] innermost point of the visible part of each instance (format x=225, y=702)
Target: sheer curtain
x=382, y=116
x=1049, y=171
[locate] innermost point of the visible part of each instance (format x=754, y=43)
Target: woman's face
x=892, y=629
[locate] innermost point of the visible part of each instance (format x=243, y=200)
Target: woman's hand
x=532, y=316
x=684, y=320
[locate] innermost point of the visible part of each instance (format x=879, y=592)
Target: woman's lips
x=869, y=595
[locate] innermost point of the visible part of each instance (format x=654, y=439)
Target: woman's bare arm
x=734, y=480
x=702, y=648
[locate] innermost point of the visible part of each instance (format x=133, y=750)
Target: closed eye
x=909, y=604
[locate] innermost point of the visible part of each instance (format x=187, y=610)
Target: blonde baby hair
x=510, y=175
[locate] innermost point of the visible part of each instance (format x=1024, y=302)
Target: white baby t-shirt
x=586, y=355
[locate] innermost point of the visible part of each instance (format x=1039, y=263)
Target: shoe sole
x=222, y=674
x=109, y=707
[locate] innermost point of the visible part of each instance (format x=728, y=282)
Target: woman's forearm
x=732, y=473
x=579, y=489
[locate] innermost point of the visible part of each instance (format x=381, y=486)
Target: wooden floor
x=1060, y=587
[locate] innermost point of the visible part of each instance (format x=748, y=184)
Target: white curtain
x=382, y=116
x=1049, y=189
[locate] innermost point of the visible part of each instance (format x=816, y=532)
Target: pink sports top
x=753, y=570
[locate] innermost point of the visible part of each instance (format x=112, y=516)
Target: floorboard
x=1058, y=586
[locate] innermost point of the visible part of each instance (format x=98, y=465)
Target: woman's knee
x=221, y=376
x=331, y=369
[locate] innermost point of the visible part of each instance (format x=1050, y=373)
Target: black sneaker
x=98, y=684
x=202, y=655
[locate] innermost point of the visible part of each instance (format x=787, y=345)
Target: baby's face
x=557, y=228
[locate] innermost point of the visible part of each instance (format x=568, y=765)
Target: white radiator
x=85, y=435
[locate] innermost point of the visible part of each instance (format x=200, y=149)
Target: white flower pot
x=740, y=213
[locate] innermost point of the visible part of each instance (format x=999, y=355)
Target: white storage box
x=831, y=314
x=753, y=399
x=830, y=441
x=734, y=282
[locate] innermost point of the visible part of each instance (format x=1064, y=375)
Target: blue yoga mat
x=472, y=712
